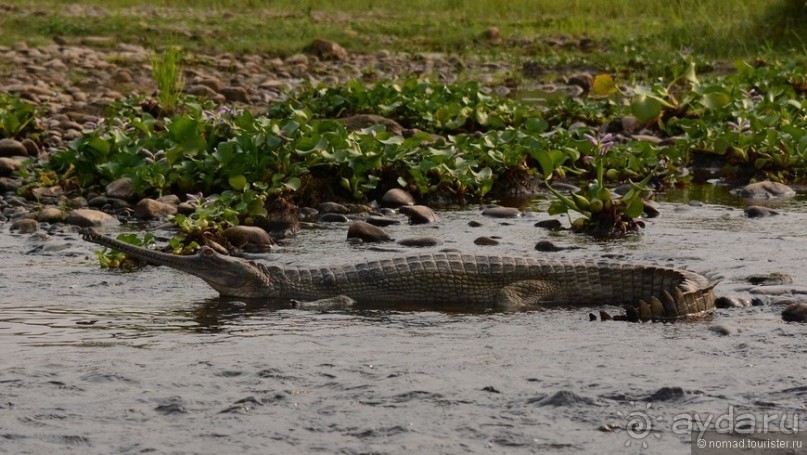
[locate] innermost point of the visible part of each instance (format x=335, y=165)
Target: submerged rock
x=771, y=279
x=89, y=218
x=724, y=330
x=397, y=197
x=765, y=190
x=501, y=212
x=332, y=207
x=756, y=211
x=552, y=225
x=563, y=398
x=366, y=232
x=248, y=238
x=419, y=214
x=333, y=218
x=549, y=247
x=382, y=221
x=25, y=226
x=50, y=214
x=420, y=241
x=796, y=312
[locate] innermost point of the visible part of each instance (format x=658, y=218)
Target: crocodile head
x=230, y=276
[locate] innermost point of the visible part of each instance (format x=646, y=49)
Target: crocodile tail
x=693, y=298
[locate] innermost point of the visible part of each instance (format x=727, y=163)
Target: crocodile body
x=451, y=279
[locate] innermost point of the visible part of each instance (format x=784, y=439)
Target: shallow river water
x=153, y=362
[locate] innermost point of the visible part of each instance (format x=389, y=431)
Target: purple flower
x=602, y=143
x=742, y=126
x=195, y=197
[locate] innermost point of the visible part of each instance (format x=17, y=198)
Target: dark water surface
x=101, y=362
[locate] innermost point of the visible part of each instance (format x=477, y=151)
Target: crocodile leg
x=526, y=294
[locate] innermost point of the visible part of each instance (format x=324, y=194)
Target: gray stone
x=235, y=94
x=147, y=209
x=248, y=238
x=420, y=241
x=25, y=226
x=724, y=330
x=757, y=211
x=764, y=190
x=89, y=218
x=333, y=218
x=8, y=166
x=501, y=212
x=50, y=192
x=326, y=50
x=172, y=199
x=204, y=92
x=9, y=184
x=770, y=279
x=382, y=221
x=397, y=197
x=367, y=232
x=419, y=214
x=485, y=241
x=31, y=147
x=120, y=189
x=12, y=147
x=50, y=214
x=549, y=247
x=552, y=225
x=332, y=207
x=796, y=312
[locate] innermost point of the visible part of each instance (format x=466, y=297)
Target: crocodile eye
x=208, y=251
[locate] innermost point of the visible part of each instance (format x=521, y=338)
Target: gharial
x=647, y=292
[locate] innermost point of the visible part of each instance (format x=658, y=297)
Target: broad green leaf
x=238, y=182
x=225, y=152
x=645, y=108
x=715, y=100
x=183, y=130
x=99, y=145
x=557, y=207
x=310, y=144
x=536, y=125
x=603, y=85
x=635, y=208
x=293, y=183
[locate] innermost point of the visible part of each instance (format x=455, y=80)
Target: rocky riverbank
x=74, y=83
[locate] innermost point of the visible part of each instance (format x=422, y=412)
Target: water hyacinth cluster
x=459, y=143
x=601, y=214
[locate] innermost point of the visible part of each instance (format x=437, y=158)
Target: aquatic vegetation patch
x=460, y=142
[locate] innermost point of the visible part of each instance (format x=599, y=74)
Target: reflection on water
x=154, y=361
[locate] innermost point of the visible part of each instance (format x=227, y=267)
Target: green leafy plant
x=18, y=118
x=601, y=213
x=166, y=68
x=114, y=259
